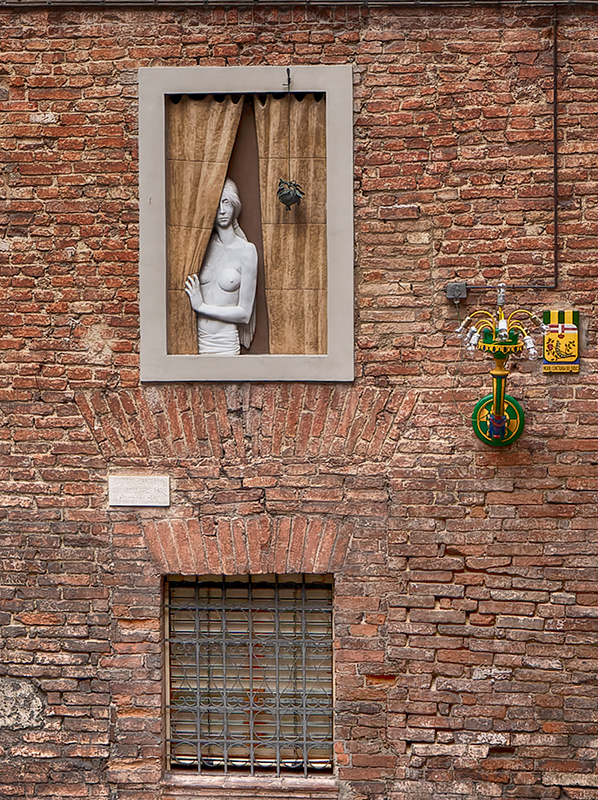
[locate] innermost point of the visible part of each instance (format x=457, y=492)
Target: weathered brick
x=465, y=576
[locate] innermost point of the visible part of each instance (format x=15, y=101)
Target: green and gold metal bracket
x=498, y=419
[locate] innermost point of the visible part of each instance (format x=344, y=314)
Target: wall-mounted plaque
x=138, y=490
x=561, y=341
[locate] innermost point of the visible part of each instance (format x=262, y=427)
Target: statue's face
x=225, y=214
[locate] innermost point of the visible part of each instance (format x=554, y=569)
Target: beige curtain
x=200, y=135
x=295, y=240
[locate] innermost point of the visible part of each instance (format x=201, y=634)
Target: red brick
x=381, y=481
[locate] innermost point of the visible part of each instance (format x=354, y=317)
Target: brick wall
x=466, y=577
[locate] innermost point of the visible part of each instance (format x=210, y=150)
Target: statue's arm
x=242, y=311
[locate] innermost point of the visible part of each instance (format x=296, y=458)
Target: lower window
x=250, y=674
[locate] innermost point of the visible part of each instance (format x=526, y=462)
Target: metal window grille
x=250, y=673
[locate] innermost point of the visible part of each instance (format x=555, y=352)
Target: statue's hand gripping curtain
x=223, y=294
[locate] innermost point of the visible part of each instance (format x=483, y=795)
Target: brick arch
x=315, y=421
x=257, y=545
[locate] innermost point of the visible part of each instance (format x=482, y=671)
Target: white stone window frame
x=157, y=365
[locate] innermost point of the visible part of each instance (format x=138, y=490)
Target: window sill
x=239, y=787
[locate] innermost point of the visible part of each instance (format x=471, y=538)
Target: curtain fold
x=200, y=135
x=294, y=241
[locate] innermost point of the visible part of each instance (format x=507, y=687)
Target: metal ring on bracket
x=514, y=425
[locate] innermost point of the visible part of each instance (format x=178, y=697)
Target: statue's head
x=229, y=210
x=231, y=193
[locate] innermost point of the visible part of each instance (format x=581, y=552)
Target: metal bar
x=251, y=692
x=303, y=682
x=198, y=675
x=223, y=628
x=277, y=657
x=167, y=670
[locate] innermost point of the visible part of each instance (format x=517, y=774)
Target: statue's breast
x=229, y=279
x=222, y=268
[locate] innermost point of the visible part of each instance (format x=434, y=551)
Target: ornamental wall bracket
x=498, y=419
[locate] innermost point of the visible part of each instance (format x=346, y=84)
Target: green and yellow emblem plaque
x=561, y=341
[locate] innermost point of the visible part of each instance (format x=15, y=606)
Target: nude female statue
x=223, y=293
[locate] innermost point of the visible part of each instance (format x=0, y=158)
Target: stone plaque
x=138, y=490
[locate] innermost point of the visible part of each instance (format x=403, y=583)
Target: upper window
x=250, y=674
x=246, y=223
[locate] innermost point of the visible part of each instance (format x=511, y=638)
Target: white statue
x=223, y=294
